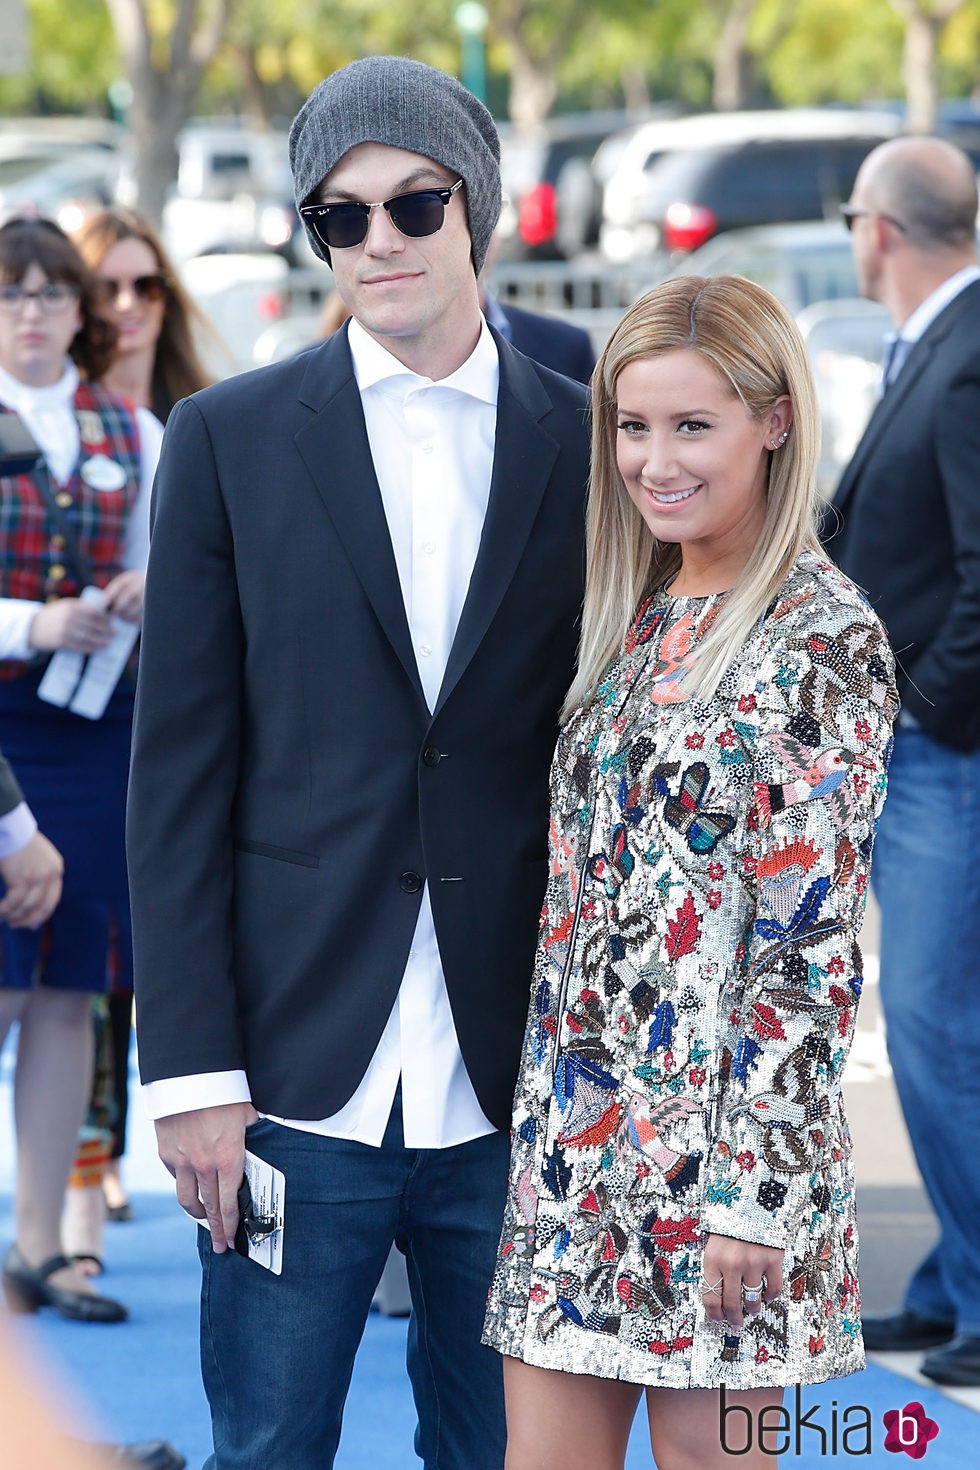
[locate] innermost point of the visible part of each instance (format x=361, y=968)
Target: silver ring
x=708, y=1290
x=754, y=1293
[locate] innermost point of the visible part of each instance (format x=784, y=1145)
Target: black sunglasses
x=339, y=226
x=850, y=212
x=147, y=288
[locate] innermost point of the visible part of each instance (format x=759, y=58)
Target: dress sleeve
x=826, y=701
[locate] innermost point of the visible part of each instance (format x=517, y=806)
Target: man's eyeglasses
x=850, y=212
x=148, y=288
x=339, y=226
x=53, y=297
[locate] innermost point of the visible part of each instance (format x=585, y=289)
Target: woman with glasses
x=157, y=358
x=73, y=545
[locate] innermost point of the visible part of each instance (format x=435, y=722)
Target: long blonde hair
x=751, y=340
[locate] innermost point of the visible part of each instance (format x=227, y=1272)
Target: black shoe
x=151, y=1454
x=958, y=1363
x=904, y=1332
x=26, y=1288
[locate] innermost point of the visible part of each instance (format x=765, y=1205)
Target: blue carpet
x=140, y=1380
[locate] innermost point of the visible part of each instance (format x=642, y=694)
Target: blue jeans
x=278, y=1351
x=926, y=876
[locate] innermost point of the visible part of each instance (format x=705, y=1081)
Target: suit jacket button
x=410, y=883
x=431, y=756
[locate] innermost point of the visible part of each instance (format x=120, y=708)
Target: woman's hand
x=730, y=1267
x=124, y=596
x=33, y=881
x=71, y=623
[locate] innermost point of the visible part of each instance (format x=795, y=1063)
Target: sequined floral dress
x=694, y=999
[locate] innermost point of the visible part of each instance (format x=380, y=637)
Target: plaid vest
x=34, y=563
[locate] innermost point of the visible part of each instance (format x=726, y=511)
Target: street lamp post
x=471, y=22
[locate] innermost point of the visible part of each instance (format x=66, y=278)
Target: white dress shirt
x=432, y=445
x=49, y=413
x=898, y=345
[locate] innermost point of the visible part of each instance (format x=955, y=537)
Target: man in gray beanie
x=360, y=624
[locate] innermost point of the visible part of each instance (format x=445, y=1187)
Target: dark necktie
x=896, y=351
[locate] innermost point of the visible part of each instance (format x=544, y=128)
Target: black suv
x=679, y=183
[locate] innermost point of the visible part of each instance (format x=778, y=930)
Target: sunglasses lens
x=150, y=288
x=345, y=225
x=417, y=214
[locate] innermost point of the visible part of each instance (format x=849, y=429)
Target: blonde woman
x=680, y=1217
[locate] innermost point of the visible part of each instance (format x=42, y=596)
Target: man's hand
x=33, y=878
x=205, y=1152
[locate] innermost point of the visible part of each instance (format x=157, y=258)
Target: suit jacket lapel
x=334, y=447
x=523, y=458
x=895, y=399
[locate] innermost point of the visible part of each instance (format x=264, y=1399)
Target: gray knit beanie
x=390, y=99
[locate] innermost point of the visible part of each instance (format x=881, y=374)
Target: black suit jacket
x=559, y=345
x=909, y=511
x=10, y=792
x=290, y=789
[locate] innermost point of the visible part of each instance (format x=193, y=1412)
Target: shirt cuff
x=17, y=827
x=189, y=1094
x=16, y=617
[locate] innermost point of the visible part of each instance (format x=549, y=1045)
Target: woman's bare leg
x=52, y=1082
x=566, y=1421
x=686, y=1428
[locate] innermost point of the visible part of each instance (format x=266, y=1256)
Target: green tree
x=73, y=60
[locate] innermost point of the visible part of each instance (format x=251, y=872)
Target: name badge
x=103, y=473
x=90, y=427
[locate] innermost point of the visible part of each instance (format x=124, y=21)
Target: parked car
x=233, y=193
x=553, y=201
x=800, y=263
x=844, y=342
x=680, y=182
x=64, y=188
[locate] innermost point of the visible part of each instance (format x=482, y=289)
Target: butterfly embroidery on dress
x=687, y=813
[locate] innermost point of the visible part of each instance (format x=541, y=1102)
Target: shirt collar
x=23, y=397
x=477, y=377
x=927, y=311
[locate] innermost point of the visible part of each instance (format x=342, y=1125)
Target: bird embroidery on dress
x=583, y=1303
x=650, y=1299
x=687, y=813
x=787, y=1110
x=849, y=663
x=586, y=1095
x=641, y=1128
x=821, y=773
x=666, y=686
x=781, y=874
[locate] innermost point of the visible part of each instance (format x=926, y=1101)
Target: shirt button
x=431, y=756
x=63, y=499
x=428, y=447
x=424, y=650
x=428, y=547
x=57, y=572
x=410, y=882
x=57, y=542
